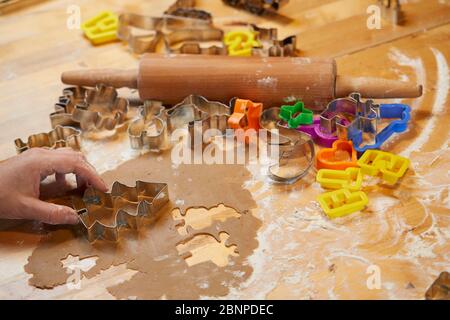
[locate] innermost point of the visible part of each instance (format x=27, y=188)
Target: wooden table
x=404, y=233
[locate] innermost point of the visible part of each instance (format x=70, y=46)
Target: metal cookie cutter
x=190, y=40
x=293, y=145
x=123, y=207
x=90, y=109
x=185, y=8
x=150, y=130
x=57, y=138
x=212, y=114
x=270, y=44
x=392, y=11
x=144, y=33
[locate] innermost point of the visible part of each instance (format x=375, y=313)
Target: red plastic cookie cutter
x=337, y=156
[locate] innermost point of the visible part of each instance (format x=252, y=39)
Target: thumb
x=50, y=213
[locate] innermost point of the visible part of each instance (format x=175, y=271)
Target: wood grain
x=301, y=254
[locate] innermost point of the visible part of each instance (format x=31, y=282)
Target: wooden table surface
x=301, y=255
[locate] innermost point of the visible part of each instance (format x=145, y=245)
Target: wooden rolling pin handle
x=376, y=88
x=111, y=77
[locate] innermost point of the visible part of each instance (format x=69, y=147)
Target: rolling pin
x=271, y=80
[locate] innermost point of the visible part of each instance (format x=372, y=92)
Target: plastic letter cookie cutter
x=342, y=202
x=246, y=114
x=350, y=178
x=103, y=214
x=150, y=130
x=339, y=157
x=90, y=109
x=101, y=28
x=296, y=149
x=240, y=42
x=296, y=115
x=57, y=138
x=399, y=114
x=393, y=167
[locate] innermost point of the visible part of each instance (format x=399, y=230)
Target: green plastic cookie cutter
x=296, y=115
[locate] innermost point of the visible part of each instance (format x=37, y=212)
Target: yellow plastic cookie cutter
x=101, y=28
x=393, y=167
x=241, y=42
x=350, y=178
x=342, y=202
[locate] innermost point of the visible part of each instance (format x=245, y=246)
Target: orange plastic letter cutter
x=340, y=156
x=393, y=167
x=245, y=115
x=240, y=42
x=350, y=178
x=342, y=202
x=101, y=28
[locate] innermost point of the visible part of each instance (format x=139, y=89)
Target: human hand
x=20, y=184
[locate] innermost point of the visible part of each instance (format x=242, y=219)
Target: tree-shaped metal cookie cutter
x=293, y=146
x=124, y=206
x=91, y=109
x=57, y=138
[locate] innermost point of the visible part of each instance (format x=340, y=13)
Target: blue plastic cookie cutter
x=397, y=111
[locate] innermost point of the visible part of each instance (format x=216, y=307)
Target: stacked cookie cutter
x=90, y=109
x=352, y=119
x=144, y=33
x=126, y=205
x=195, y=113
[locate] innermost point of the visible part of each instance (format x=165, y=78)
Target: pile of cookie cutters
x=155, y=123
x=348, y=129
x=184, y=29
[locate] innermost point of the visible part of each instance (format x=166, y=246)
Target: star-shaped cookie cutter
x=293, y=145
x=296, y=115
x=59, y=137
x=124, y=206
x=144, y=33
x=90, y=109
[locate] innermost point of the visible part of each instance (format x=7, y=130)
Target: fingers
x=34, y=209
x=64, y=160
